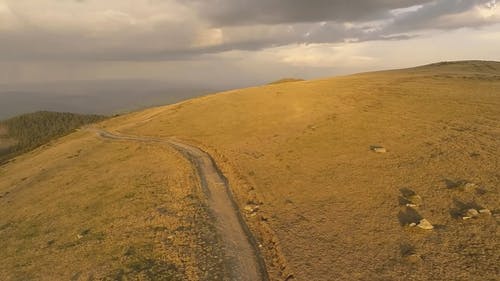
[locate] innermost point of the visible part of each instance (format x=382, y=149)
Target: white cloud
x=403, y=11
x=321, y=55
x=479, y=15
x=86, y=15
x=208, y=38
x=8, y=20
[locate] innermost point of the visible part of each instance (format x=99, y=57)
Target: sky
x=236, y=42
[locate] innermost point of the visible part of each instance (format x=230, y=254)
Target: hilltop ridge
x=463, y=67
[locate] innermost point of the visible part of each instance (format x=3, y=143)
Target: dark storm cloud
x=436, y=15
x=235, y=12
x=36, y=44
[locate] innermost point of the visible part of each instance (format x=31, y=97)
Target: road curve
x=242, y=256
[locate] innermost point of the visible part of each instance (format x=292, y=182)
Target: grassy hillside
x=87, y=209
x=303, y=149
x=25, y=132
x=328, y=204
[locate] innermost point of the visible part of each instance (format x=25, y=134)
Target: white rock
x=471, y=213
x=251, y=209
x=379, y=149
x=485, y=212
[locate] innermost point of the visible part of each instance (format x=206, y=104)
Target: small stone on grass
x=425, y=224
x=485, y=212
x=378, y=149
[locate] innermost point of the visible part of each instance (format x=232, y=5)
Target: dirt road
x=242, y=258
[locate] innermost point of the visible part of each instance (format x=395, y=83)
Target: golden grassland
x=303, y=149
x=87, y=209
x=328, y=205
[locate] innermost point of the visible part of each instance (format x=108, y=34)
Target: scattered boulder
x=473, y=213
x=409, y=198
x=469, y=214
x=466, y=186
x=469, y=187
x=414, y=200
x=413, y=258
x=466, y=209
x=409, y=217
x=378, y=149
x=83, y=233
x=425, y=224
x=485, y=212
x=251, y=209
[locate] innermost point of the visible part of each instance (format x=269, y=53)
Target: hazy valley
x=105, y=97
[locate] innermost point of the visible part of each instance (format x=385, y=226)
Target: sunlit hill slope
x=300, y=151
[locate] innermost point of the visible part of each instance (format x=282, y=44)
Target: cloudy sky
x=237, y=42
